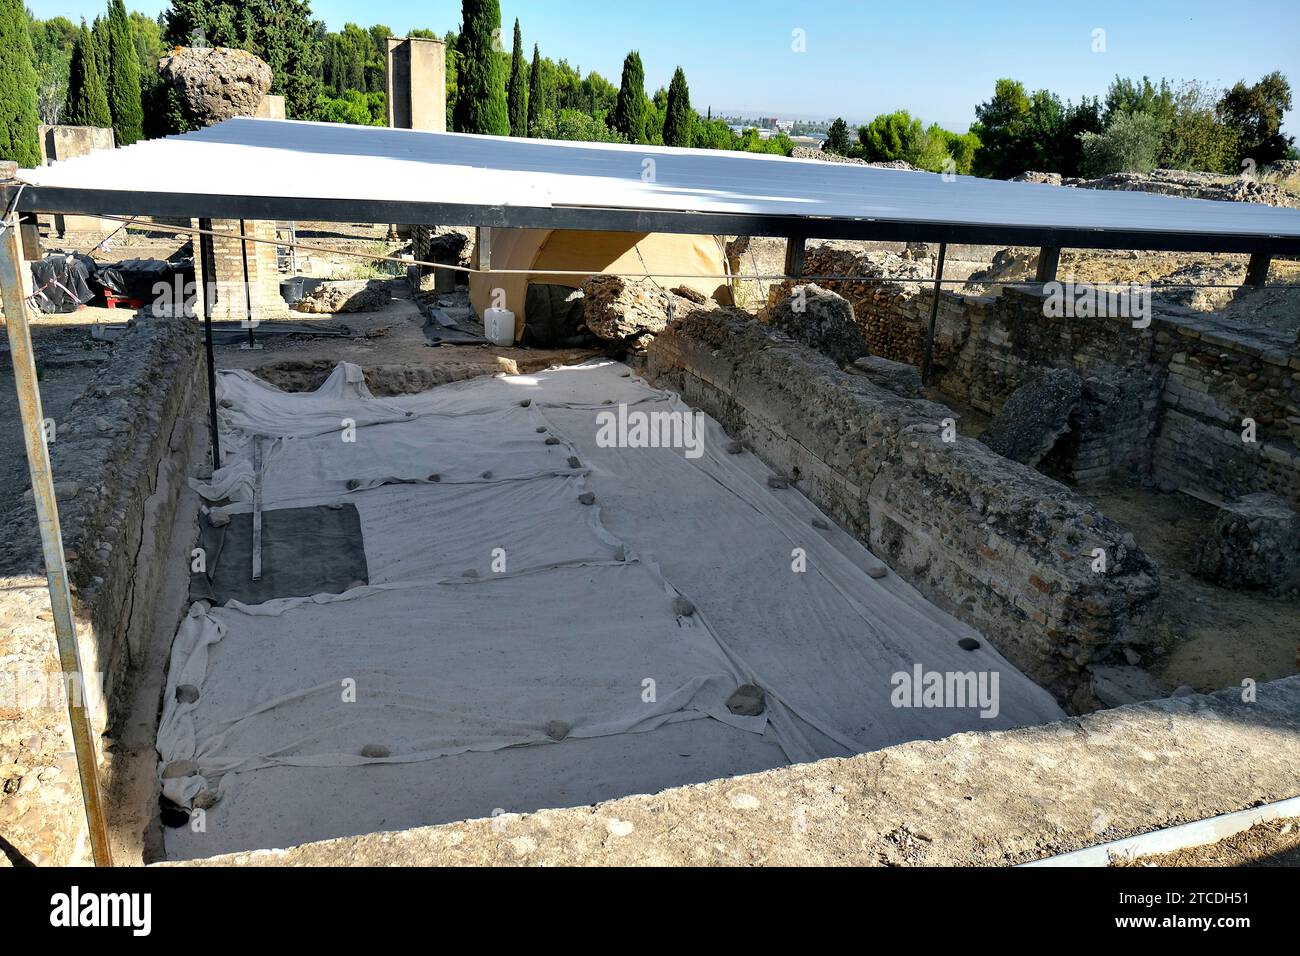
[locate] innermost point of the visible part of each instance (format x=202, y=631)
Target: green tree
x=630, y=108
x=281, y=32
x=1138, y=96
x=99, y=32
x=1194, y=137
x=516, y=91
x=123, y=77
x=1130, y=144
x=1254, y=115
x=837, y=138
x=52, y=43
x=18, y=98
x=87, y=101
x=890, y=137
x=679, y=118
x=961, y=147
x=481, y=82
x=535, y=96
x=576, y=125
x=999, y=124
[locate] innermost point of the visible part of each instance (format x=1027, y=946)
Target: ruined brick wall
x=999, y=545
x=226, y=268
x=121, y=442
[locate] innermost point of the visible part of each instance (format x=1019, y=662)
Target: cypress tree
x=515, y=95
x=677, y=121
x=123, y=77
x=480, y=81
x=18, y=105
x=629, y=108
x=99, y=33
x=535, y=93
x=86, y=103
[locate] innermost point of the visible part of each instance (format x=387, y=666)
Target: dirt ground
x=1270, y=843
x=1210, y=637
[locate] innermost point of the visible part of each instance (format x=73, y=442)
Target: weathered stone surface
x=1197, y=185
x=898, y=377
x=818, y=318
x=809, y=152
x=997, y=544
x=130, y=478
x=1118, y=685
x=216, y=83
x=1050, y=179
x=1254, y=544
x=1034, y=417
x=630, y=312
x=975, y=799
x=346, y=296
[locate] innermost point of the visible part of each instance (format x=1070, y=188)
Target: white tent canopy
x=259, y=168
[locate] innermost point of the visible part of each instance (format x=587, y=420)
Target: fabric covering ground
x=517, y=648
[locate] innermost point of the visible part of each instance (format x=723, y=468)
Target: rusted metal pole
x=47, y=513
x=934, y=315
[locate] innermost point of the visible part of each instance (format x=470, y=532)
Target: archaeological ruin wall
x=1180, y=399
x=996, y=543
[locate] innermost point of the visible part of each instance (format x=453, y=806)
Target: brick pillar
x=226, y=269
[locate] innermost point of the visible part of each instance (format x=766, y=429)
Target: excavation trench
x=567, y=577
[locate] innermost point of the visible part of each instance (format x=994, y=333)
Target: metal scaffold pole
x=47, y=513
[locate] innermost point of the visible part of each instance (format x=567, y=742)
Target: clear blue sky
x=937, y=59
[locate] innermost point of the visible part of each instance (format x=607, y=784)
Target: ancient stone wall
x=119, y=458
x=1168, y=399
x=1001, y=546
x=1217, y=378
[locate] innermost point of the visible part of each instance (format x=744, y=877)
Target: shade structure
x=283, y=169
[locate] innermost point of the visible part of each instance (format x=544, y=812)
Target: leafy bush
x=576, y=125
x=356, y=108
x=1130, y=144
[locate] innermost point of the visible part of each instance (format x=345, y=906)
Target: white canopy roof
x=260, y=168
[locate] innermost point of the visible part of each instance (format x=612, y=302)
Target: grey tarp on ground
x=329, y=534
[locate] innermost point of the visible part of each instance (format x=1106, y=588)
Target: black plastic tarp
x=60, y=282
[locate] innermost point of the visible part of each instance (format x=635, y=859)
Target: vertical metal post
x=1049, y=258
x=794, y=256
x=47, y=514
x=248, y=288
x=483, y=248
x=934, y=315
x=1257, y=268
x=207, y=264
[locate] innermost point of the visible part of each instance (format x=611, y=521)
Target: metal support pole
x=934, y=315
x=207, y=263
x=248, y=288
x=1257, y=268
x=47, y=514
x=483, y=248
x=1049, y=258
x=794, y=256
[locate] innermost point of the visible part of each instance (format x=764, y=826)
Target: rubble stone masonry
x=1169, y=400
x=999, y=545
